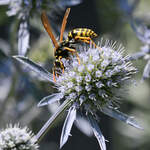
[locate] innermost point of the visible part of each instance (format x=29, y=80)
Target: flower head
x=96, y=82
x=16, y=138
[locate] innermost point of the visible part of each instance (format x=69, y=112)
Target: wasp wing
x=63, y=26
x=48, y=28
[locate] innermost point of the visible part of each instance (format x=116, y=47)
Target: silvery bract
x=143, y=33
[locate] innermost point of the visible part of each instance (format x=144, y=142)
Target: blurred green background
x=21, y=90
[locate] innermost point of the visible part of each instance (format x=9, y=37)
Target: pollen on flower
x=96, y=81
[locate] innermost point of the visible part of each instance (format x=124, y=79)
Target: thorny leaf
x=114, y=113
x=52, y=120
x=50, y=99
x=68, y=125
x=35, y=67
x=97, y=132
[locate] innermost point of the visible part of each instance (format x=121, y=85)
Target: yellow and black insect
x=64, y=47
x=82, y=34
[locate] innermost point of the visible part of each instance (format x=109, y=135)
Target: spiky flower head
x=96, y=82
x=92, y=84
x=16, y=138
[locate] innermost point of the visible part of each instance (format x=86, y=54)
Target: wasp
x=63, y=48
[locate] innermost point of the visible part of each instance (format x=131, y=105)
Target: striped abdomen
x=81, y=32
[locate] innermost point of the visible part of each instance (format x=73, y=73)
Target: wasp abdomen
x=81, y=32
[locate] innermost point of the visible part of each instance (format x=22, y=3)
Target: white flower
x=88, y=88
x=80, y=68
x=90, y=67
x=16, y=138
x=96, y=79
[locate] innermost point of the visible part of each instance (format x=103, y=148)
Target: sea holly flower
x=17, y=138
x=26, y=9
x=93, y=85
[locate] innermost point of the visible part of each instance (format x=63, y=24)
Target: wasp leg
x=57, y=63
x=73, y=51
x=70, y=49
x=78, y=57
x=54, y=76
x=86, y=40
x=61, y=64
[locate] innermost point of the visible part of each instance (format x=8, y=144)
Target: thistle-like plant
x=96, y=84
x=26, y=9
x=23, y=9
x=17, y=138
